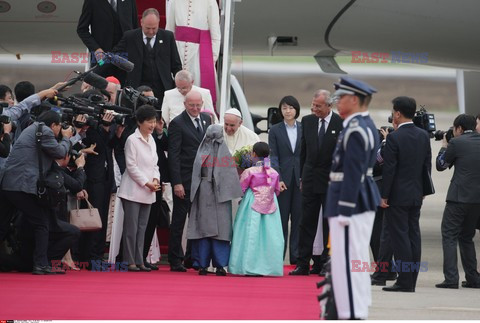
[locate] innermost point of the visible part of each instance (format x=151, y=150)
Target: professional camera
x=387, y=129
x=438, y=135
x=131, y=98
x=3, y=118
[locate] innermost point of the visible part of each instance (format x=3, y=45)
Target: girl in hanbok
x=257, y=243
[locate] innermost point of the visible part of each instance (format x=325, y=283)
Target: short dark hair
x=291, y=101
x=405, y=105
x=4, y=90
x=364, y=100
x=144, y=88
x=261, y=149
x=23, y=90
x=467, y=122
x=49, y=117
x=145, y=112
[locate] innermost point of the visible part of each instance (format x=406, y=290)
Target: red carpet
x=157, y=295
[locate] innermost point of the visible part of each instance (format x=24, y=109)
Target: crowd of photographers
x=76, y=139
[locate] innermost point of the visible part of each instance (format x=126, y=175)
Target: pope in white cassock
x=173, y=100
x=236, y=135
x=196, y=25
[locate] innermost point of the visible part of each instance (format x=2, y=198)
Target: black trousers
x=290, y=205
x=376, y=233
x=311, y=204
x=38, y=217
x=404, y=228
x=385, y=251
x=181, y=207
x=458, y=226
x=7, y=211
x=92, y=244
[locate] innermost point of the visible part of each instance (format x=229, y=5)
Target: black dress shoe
x=315, y=270
x=149, y=265
x=203, y=271
x=220, y=271
x=398, y=288
x=299, y=271
x=144, y=268
x=467, y=284
x=42, y=270
x=178, y=268
x=444, y=284
x=378, y=282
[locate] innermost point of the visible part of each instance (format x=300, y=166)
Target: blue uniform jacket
x=351, y=189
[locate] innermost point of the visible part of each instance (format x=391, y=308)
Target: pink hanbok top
x=264, y=183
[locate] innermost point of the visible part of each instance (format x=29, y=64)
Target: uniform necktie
x=113, y=3
x=321, y=133
x=199, y=127
x=149, y=46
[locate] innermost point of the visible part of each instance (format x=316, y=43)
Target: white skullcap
x=235, y=112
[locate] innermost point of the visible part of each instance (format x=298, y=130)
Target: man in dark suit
x=284, y=141
x=101, y=26
x=407, y=156
x=463, y=202
x=154, y=53
x=319, y=136
x=186, y=132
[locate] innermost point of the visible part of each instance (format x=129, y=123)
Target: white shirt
x=242, y=137
x=402, y=124
x=202, y=123
x=152, y=41
x=141, y=160
x=327, y=121
x=173, y=102
x=292, y=134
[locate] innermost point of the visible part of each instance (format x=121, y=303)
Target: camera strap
x=38, y=141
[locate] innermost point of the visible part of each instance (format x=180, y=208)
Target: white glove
x=343, y=220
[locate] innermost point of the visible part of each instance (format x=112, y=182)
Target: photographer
x=463, y=202
x=22, y=173
x=100, y=183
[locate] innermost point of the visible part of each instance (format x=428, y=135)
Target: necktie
x=321, y=133
x=149, y=46
x=199, y=127
x=113, y=3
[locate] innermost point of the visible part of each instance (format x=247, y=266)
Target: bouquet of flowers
x=243, y=157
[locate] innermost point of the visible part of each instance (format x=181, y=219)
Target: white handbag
x=86, y=219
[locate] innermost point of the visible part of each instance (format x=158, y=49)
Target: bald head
x=193, y=103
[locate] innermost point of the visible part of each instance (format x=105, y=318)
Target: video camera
x=438, y=135
x=93, y=107
x=131, y=98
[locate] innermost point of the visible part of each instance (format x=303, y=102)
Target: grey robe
x=215, y=184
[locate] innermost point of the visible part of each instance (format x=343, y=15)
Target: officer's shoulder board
x=354, y=126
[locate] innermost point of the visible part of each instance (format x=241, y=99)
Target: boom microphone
x=96, y=81
x=118, y=61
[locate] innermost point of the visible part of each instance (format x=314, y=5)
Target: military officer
x=352, y=199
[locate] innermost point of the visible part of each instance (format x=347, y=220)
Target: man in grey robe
x=215, y=184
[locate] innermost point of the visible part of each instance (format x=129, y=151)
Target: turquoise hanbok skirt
x=257, y=243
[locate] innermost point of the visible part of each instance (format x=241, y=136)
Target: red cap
x=113, y=79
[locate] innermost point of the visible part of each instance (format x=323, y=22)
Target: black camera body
x=132, y=99
x=3, y=118
x=438, y=135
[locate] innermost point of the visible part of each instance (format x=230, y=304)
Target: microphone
x=118, y=61
x=96, y=81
